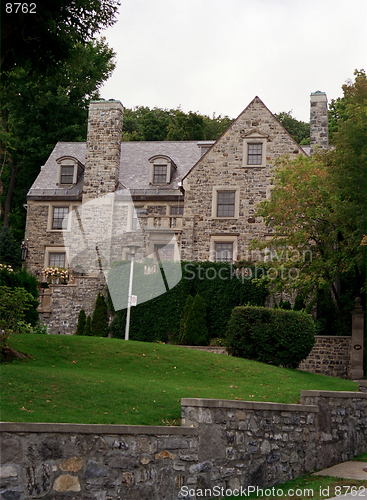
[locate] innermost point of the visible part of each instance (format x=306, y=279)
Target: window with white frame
x=67, y=174
x=254, y=154
x=226, y=203
x=57, y=259
x=224, y=251
x=160, y=174
x=60, y=218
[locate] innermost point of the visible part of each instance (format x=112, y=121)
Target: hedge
x=273, y=336
x=158, y=319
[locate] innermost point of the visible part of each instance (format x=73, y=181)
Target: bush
x=88, y=327
x=82, y=319
x=272, y=336
x=194, y=331
x=185, y=312
x=100, y=317
x=159, y=319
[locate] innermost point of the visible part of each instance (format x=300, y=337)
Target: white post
x=129, y=298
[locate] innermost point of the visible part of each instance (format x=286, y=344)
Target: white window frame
x=215, y=191
x=69, y=161
x=161, y=160
x=254, y=137
x=49, y=250
x=51, y=216
x=226, y=238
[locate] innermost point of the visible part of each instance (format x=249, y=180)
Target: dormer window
x=161, y=170
x=67, y=174
x=70, y=170
x=160, y=174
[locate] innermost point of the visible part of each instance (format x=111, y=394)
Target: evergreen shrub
x=82, y=319
x=195, y=331
x=88, y=327
x=159, y=319
x=273, y=336
x=100, y=317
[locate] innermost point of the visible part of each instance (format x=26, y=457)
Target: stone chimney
x=319, y=131
x=102, y=163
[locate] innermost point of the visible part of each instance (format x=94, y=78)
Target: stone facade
x=329, y=356
x=225, y=167
x=221, y=444
x=114, y=195
x=319, y=129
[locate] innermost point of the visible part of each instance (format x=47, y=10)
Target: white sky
x=214, y=56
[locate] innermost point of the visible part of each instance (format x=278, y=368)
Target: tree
x=317, y=212
x=9, y=250
x=195, y=327
x=44, y=33
x=300, y=131
x=82, y=320
x=40, y=110
x=88, y=327
x=100, y=317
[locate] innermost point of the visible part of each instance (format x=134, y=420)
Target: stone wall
x=222, y=444
x=224, y=167
x=329, y=356
x=60, y=304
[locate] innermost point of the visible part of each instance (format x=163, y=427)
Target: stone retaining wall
x=329, y=356
x=223, y=444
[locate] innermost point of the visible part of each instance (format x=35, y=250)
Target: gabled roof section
x=254, y=128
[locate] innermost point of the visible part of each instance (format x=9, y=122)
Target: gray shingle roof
x=134, y=163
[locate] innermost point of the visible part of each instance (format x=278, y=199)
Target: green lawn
x=111, y=381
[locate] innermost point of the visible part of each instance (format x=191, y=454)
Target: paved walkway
x=348, y=470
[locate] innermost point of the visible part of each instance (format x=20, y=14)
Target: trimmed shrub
x=82, y=319
x=195, y=331
x=88, y=327
x=159, y=319
x=100, y=317
x=272, y=336
x=185, y=313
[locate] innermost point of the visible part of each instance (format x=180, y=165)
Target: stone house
x=192, y=200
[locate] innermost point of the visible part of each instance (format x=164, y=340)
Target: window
x=226, y=204
x=224, y=252
x=254, y=154
x=135, y=221
x=164, y=252
x=160, y=174
x=60, y=218
x=176, y=210
x=57, y=259
x=67, y=174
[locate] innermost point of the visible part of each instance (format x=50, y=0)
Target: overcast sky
x=215, y=56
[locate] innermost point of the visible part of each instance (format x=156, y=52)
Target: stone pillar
x=357, y=347
x=319, y=130
x=102, y=163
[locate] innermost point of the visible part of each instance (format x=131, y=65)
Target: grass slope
x=111, y=381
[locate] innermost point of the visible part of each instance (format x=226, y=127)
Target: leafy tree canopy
x=317, y=211
x=299, y=130
x=144, y=124
x=46, y=34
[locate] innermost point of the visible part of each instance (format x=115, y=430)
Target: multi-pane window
x=160, y=174
x=60, y=218
x=67, y=174
x=224, y=252
x=175, y=210
x=254, y=154
x=164, y=252
x=57, y=259
x=225, y=203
